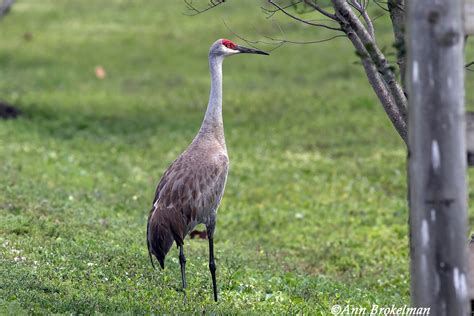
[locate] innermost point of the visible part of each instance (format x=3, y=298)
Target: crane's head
x=225, y=47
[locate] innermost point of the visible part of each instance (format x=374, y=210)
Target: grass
x=314, y=213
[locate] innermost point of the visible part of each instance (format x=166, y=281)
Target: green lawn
x=315, y=208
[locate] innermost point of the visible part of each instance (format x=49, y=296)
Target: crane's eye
x=228, y=44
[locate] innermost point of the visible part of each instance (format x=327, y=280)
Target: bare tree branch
x=347, y=16
x=249, y=42
x=382, y=92
x=380, y=4
x=212, y=4
x=283, y=41
x=278, y=42
x=379, y=86
x=469, y=65
x=362, y=8
x=283, y=10
x=368, y=22
x=316, y=7
x=271, y=12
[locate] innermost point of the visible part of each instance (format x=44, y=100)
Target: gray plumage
x=190, y=191
x=188, y=194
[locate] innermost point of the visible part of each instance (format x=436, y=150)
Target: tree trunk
x=437, y=156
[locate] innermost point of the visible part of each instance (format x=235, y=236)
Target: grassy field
x=314, y=213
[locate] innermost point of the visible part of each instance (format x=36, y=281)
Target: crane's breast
x=210, y=189
x=193, y=187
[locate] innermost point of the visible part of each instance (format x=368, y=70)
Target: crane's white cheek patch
x=229, y=51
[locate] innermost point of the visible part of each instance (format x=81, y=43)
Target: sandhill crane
x=191, y=188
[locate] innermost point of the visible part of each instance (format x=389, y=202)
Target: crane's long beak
x=245, y=50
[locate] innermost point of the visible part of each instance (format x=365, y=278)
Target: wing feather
x=189, y=193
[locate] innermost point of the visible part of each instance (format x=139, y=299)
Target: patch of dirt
x=8, y=111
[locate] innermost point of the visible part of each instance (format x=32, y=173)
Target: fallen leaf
x=100, y=72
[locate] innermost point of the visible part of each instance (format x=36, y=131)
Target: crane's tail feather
x=162, y=262
x=160, y=243
x=148, y=243
x=159, y=237
x=149, y=253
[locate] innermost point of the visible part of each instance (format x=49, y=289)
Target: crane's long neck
x=212, y=124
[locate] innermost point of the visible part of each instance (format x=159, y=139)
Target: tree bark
x=437, y=156
x=397, y=16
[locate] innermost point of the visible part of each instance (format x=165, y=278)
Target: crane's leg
x=212, y=264
x=182, y=262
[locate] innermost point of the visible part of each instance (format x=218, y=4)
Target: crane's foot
x=185, y=297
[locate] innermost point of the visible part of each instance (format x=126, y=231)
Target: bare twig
x=320, y=20
x=379, y=4
x=278, y=42
x=361, y=7
x=469, y=65
x=283, y=41
x=368, y=22
x=378, y=16
x=316, y=7
x=283, y=10
x=249, y=42
x=271, y=12
x=212, y=4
